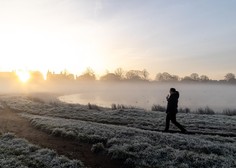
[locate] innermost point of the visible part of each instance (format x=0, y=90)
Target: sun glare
x=23, y=76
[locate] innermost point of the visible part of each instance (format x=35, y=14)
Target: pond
x=215, y=96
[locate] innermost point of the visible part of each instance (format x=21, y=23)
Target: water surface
x=193, y=96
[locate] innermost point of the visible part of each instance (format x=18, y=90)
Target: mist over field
x=139, y=94
x=144, y=95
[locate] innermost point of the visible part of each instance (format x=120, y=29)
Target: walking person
x=172, y=109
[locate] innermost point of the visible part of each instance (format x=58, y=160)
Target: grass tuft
x=205, y=110
x=121, y=107
x=93, y=107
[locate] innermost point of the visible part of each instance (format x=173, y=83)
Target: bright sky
x=179, y=37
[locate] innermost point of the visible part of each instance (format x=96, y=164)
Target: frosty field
x=134, y=136
x=15, y=152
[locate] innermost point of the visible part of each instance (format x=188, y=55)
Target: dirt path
x=10, y=121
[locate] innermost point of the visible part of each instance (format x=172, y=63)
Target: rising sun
x=23, y=76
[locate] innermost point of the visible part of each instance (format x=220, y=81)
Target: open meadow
x=134, y=136
x=94, y=84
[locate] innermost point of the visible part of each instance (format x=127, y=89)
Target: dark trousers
x=172, y=117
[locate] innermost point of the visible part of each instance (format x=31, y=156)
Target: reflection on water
x=217, y=97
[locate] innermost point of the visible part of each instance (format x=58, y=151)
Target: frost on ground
x=142, y=148
x=132, y=135
x=15, y=152
x=127, y=117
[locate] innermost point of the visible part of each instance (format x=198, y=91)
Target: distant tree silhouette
x=118, y=75
x=88, y=75
x=163, y=76
x=137, y=75
x=144, y=74
x=230, y=77
x=166, y=77
x=133, y=75
x=187, y=79
x=120, y=72
x=194, y=76
x=110, y=77
x=204, y=78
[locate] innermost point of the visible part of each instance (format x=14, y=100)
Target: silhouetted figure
x=172, y=109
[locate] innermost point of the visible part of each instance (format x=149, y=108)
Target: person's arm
x=167, y=97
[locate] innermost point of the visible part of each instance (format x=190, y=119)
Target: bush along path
x=10, y=121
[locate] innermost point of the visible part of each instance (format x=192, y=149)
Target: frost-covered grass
x=142, y=148
x=229, y=112
x=132, y=135
x=15, y=152
x=137, y=118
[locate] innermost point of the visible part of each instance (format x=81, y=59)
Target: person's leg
x=173, y=119
x=167, y=122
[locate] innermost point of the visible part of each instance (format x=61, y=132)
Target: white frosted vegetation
x=132, y=135
x=15, y=152
x=146, y=148
x=128, y=117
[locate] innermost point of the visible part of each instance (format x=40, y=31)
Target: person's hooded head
x=174, y=92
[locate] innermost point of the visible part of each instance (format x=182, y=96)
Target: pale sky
x=176, y=36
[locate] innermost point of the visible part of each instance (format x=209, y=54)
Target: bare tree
x=175, y=78
x=110, y=77
x=159, y=77
x=194, y=76
x=204, y=78
x=120, y=72
x=187, y=79
x=229, y=76
x=88, y=75
x=166, y=77
x=133, y=75
x=145, y=74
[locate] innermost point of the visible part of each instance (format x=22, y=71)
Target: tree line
x=130, y=76
x=144, y=76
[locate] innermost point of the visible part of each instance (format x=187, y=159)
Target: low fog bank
x=145, y=94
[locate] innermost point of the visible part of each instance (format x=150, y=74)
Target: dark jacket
x=172, y=104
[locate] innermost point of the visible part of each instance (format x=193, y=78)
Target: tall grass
x=205, y=110
x=229, y=112
x=93, y=107
x=158, y=108
x=122, y=106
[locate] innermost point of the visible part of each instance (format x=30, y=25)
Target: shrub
x=158, y=108
x=121, y=106
x=229, y=112
x=113, y=107
x=206, y=110
x=93, y=107
x=184, y=110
